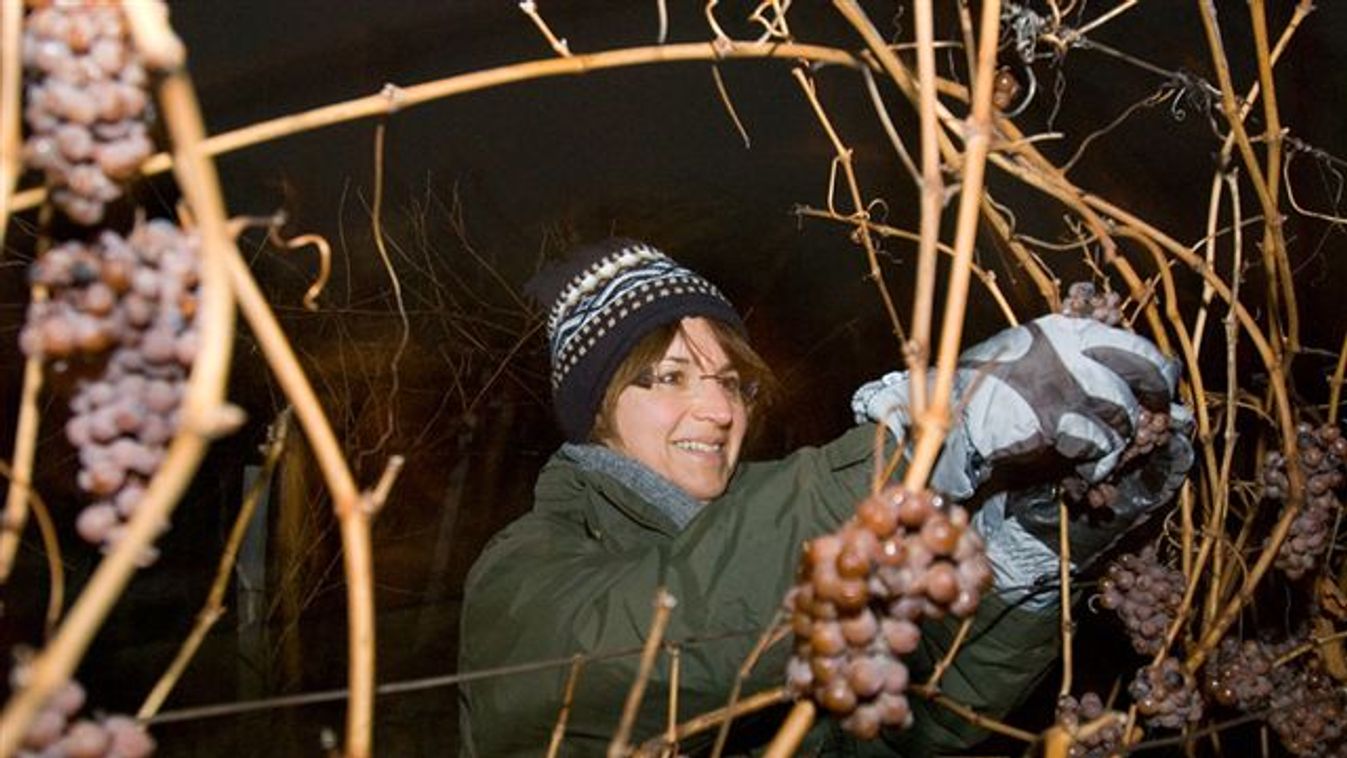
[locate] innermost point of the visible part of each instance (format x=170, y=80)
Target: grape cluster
x=1167, y=695
x=1083, y=301
x=1152, y=431
x=1072, y=714
x=1240, y=674
x=52, y=733
x=1323, y=452
x=87, y=104
x=131, y=302
x=861, y=595
x=1309, y=711
x=1146, y=595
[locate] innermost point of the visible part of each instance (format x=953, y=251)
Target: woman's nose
x=714, y=401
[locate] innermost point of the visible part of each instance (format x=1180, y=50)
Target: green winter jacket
x=578, y=574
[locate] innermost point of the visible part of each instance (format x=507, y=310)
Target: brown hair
x=651, y=348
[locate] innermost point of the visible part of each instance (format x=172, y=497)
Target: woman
x=655, y=387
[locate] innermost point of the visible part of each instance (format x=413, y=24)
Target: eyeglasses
x=681, y=381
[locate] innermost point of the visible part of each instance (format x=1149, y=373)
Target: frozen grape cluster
x=1323, y=451
x=1240, y=674
x=55, y=730
x=130, y=303
x=1309, y=711
x=1073, y=714
x=1152, y=430
x=1166, y=695
x=862, y=594
x=1146, y=595
x=86, y=105
x=1084, y=301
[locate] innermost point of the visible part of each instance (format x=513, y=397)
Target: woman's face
x=689, y=424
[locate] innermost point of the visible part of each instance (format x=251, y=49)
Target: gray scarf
x=667, y=498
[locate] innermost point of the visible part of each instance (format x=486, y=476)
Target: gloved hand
x=1058, y=388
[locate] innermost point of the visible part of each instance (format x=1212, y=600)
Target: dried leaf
x=1333, y=654
x=1332, y=599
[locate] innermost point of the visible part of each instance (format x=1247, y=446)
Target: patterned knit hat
x=604, y=298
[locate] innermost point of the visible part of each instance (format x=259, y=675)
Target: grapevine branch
x=380, y=104
x=11, y=84
x=1274, y=252
x=21, y=470
x=621, y=742
x=567, y=697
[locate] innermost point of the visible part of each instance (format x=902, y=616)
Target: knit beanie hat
x=604, y=297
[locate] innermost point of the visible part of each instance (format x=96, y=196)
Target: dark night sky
x=647, y=151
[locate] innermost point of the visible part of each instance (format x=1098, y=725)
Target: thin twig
x=1291, y=196
x=1312, y=644
x=1335, y=385
x=1209, y=245
x=1064, y=569
x=213, y=608
x=882, y=113
x=973, y=717
x=25, y=449
x=568, y=697
x=530, y=9
x=698, y=724
x=675, y=666
x=378, y=497
x=1104, y=18
x=51, y=545
x=621, y=742
x=947, y=660
x=662, y=8
x=729, y=106
x=770, y=636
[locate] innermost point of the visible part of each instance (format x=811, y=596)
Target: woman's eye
x=671, y=378
x=731, y=384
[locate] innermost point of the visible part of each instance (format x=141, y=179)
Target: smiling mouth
x=693, y=446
